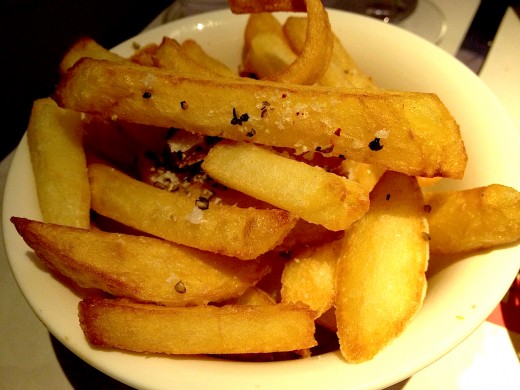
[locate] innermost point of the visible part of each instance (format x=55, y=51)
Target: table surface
x=30, y=358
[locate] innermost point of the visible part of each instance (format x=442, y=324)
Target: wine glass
x=422, y=17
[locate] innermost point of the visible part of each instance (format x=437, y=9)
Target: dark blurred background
x=34, y=34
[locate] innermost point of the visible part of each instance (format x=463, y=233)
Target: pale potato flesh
x=309, y=192
x=55, y=139
x=380, y=276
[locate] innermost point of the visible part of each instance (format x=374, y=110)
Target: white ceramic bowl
x=462, y=291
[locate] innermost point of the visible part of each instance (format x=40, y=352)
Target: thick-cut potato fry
x=309, y=277
x=309, y=192
x=477, y=218
x=261, y=23
x=86, y=47
x=342, y=71
x=268, y=55
x=193, y=50
x=195, y=330
x=55, y=138
x=144, y=55
x=170, y=55
x=380, y=277
x=174, y=216
x=139, y=267
x=408, y=132
x=314, y=58
x=266, y=50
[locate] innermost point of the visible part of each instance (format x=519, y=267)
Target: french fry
x=55, y=138
x=194, y=51
x=142, y=268
x=170, y=55
x=144, y=55
x=309, y=192
x=261, y=23
x=408, y=132
x=472, y=219
x=195, y=330
x=380, y=276
x=86, y=47
x=174, y=216
x=314, y=58
x=268, y=55
x=309, y=277
x=342, y=71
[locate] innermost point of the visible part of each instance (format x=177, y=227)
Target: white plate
x=462, y=292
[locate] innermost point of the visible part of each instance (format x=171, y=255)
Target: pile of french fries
x=207, y=212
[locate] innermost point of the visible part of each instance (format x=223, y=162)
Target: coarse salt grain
x=196, y=216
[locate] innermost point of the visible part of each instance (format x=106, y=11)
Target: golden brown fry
x=266, y=51
x=138, y=267
x=409, y=132
x=261, y=23
x=342, y=71
x=194, y=51
x=174, y=216
x=311, y=193
x=314, y=58
x=477, y=218
x=169, y=55
x=86, y=47
x=380, y=277
x=144, y=55
x=55, y=138
x=196, y=330
x=309, y=277
x=268, y=55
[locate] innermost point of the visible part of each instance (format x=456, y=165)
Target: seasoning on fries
x=238, y=216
